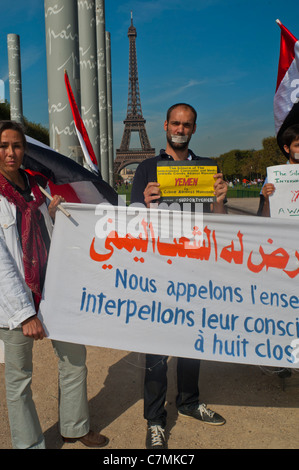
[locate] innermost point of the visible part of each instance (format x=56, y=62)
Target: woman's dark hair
x=14, y=126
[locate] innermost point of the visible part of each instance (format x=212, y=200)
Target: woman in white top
x=25, y=231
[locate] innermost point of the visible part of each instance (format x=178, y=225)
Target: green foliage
x=251, y=164
x=36, y=131
x=125, y=191
x=4, y=111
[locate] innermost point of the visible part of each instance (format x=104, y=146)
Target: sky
x=219, y=56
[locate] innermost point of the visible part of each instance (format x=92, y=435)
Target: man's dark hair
x=183, y=105
x=290, y=134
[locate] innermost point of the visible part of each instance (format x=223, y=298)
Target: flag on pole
x=82, y=134
x=286, y=99
x=66, y=177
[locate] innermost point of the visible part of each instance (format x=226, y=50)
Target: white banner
x=217, y=287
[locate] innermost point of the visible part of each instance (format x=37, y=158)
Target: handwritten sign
x=226, y=292
x=186, y=181
x=285, y=200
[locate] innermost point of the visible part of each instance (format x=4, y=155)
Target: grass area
x=244, y=191
x=125, y=191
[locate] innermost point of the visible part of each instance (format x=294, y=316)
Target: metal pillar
x=102, y=84
x=88, y=72
x=62, y=42
x=15, y=78
x=109, y=108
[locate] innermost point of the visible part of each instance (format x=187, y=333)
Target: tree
x=236, y=163
x=4, y=111
x=251, y=163
x=36, y=131
x=272, y=154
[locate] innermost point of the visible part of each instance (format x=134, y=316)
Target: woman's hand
x=52, y=208
x=33, y=328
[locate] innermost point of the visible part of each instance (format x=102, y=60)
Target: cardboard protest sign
x=186, y=181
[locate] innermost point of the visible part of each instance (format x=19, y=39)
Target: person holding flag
x=286, y=108
x=25, y=230
x=286, y=118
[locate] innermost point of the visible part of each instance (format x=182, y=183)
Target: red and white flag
x=82, y=134
x=287, y=88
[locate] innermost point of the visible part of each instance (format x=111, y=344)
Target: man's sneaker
x=155, y=438
x=203, y=414
x=284, y=373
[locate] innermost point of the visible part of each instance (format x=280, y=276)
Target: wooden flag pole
x=50, y=197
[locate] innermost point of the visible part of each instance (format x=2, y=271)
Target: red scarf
x=34, y=250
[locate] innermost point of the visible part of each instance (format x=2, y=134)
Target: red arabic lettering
x=183, y=248
x=277, y=259
x=294, y=273
x=228, y=253
x=128, y=243
x=195, y=249
x=97, y=256
x=215, y=245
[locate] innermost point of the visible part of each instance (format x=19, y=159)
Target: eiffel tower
x=134, y=121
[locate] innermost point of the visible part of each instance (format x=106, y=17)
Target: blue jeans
x=155, y=386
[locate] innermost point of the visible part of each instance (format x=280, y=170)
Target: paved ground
x=248, y=205
x=261, y=410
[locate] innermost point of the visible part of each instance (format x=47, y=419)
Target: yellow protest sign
x=186, y=181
